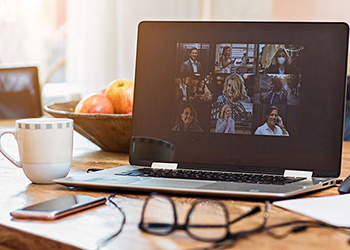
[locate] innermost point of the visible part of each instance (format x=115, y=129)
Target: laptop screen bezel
x=321, y=151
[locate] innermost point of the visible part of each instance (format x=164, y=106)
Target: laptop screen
x=259, y=97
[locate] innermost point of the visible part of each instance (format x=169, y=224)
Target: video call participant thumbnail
x=234, y=90
x=192, y=66
x=187, y=121
x=273, y=125
x=281, y=63
x=225, y=123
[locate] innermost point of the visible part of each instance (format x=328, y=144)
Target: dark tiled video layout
x=231, y=88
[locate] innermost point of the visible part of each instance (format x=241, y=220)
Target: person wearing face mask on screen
x=281, y=63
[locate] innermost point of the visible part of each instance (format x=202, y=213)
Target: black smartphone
x=58, y=207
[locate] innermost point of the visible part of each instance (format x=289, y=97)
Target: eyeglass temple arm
x=251, y=212
x=258, y=229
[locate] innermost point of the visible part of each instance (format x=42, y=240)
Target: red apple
x=95, y=103
x=121, y=94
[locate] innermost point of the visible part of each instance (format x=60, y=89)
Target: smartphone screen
x=58, y=207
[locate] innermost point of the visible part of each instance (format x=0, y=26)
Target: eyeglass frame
x=299, y=225
x=176, y=226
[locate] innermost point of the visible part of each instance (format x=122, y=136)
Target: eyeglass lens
x=208, y=221
x=159, y=215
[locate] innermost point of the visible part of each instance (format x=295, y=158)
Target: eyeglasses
x=206, y=220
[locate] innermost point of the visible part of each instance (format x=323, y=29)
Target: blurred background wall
x=82, y=45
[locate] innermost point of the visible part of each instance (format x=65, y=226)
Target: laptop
x=234, y=109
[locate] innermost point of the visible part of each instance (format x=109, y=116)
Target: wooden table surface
x=85, y=229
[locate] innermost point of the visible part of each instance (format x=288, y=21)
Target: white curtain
x=101, y=39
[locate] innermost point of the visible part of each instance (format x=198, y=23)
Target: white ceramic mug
x=45, y=147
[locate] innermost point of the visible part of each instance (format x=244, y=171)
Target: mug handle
x=2, y=150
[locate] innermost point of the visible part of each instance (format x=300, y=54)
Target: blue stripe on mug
x=62, y=125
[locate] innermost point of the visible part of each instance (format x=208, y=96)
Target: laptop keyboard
x=213, y=176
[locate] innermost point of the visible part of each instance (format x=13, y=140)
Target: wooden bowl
x=111, y=132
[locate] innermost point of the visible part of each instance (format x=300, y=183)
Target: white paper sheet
x=334, y=210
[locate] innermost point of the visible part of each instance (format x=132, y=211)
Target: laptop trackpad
x=170, y=183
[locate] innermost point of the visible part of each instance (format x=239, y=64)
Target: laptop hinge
x=164, y=165
x=298, y=173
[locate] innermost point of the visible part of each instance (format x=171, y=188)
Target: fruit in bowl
x=104, y=117
x=95, y=103
x=116, y=98
x=121, y=93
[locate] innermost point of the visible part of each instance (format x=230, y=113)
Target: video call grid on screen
x=314, y=89
x=228, y=88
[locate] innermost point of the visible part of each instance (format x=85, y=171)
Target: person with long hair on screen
x=281, y=63
x=202, y=92
x=187, y=121
x=234, y=90
x=225, y=123
x=273, y=125
x=225, y=60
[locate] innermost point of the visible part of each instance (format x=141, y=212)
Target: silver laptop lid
x=242, y=96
